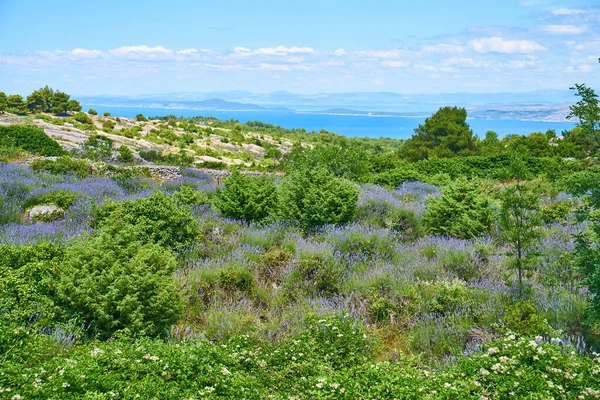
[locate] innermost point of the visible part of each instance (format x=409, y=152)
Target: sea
x=397, y=127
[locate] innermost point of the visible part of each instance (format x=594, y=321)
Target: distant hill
x=210, y=104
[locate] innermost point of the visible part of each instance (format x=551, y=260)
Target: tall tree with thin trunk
x=519, y=220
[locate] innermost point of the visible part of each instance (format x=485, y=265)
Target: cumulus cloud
x=279, y=50
x=339, y=52
x=444, y=48
x=500, y=45
x=84, y=53
x=395, y=53
x=141, y=52
x=564, y=29
x=395, y=64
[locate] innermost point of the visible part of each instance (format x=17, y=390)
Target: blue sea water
x=347, y=125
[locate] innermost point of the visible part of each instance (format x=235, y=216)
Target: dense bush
x=62, y=165
x=82, y=118
x=26, y=277
x=29, y=138
x=315, y=198
x=247, y=197
x=125, y=154
x=115, y=283
x=157, y=218
x=61, y=198
x=463, y=211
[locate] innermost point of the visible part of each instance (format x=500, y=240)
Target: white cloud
x=283, y=67
x=567, y=11
x=466, y=62
x=84, y=53
x=395, y=53
x=564, y=29
x=500, y=45
x=279, y=50
x=141, y=52
x=339, y=52
x=187, y=52
x=395, y=64
x=444, y=48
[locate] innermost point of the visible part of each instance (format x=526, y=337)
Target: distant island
x=548, y=106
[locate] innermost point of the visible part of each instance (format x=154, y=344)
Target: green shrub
x=62, y=198
x=26, y=282
x=106, y=114
x=83, y=118
x=91, y=111
x=158, y=218
x=315, y=198
x=109, y=124
x=247, y=197
x=522, y=317
x=125, y=154
x=313, y=276
x=407, y=223
x=462, y=211
x=555, y=212
x=62, y=165
x=97, y=147
x=29, y=138
x=140, y=117
x=151, y=155
x=186, y=195
x=114, y=283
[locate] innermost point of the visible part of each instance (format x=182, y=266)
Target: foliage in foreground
x=331, y=359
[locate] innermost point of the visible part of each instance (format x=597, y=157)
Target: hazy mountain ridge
x=545, y=105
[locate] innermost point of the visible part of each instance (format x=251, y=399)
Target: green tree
x=3, y=103
x=462, y=211
x=444, y=134
x=587, y=111
x=91, y=111
x=15, y=104
x=48, y=94
x=73, y=105
x=116, y=283
x=106, y=114
x=60, y=103
x=247, y=197
x=490, y=145
x=520, y=220
x=315, y=197
x=587, y=251
x=36, y=102
x=140, y=117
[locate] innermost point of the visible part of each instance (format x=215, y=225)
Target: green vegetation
x=443, y=266
x=29, y=138
x=247, y=198
x=314, y=198
x=463, y=211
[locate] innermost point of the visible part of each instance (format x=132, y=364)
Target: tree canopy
x=444, y=134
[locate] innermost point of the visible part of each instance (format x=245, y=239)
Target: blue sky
x=134, y=47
